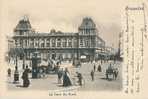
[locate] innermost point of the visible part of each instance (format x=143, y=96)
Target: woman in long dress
x=66, y=79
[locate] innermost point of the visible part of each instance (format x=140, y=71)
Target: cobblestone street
x=50, y=82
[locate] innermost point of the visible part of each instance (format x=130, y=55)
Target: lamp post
x=16, y=72
x=35, y=61
x=23, y=66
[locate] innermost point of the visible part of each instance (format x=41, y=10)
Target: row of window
x=57, y=56
x=25, y=43
x=83, y=43
x=55, y=42
x=88, y=31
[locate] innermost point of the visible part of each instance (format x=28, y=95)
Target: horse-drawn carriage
x=111, y=72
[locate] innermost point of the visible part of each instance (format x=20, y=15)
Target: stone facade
x=57, y=44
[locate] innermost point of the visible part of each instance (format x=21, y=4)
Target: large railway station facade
x=59, y=45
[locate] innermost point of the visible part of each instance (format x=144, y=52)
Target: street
x=50, y=82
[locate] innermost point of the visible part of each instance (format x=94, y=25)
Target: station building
x=85, y=43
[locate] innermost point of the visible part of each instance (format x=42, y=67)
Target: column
x=66, y=42
x=71, y=42
x=55, y=42
x=49, y=42
x=45, y=42
x=61, y=42
x=28, y=42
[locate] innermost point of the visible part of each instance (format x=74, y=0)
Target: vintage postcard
x=74, y=49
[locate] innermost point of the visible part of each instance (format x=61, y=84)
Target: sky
x=66, y=15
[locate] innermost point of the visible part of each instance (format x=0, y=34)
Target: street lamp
x=35, y=60
x=16, y=72
x=23, y=66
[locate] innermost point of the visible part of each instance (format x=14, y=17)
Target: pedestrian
x=40, y=73
x=27, y=69
x=25, y=78
x=94, y=67
x=115, y=72
x=66, y=78
x=106, y=73
x=60, y=74
x=79, y=75
x=9, y=72
x=99, y=68
x=44, y=72
x=16, y=75
x=92, y=75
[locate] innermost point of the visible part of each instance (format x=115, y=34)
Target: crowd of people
x=63, y=75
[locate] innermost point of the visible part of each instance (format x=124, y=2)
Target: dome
x=52, y=31
x=87, y=23
x=23, y=24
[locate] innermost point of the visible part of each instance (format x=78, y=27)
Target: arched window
x=36, y=42
x=32, y=43
x=42, y=43
x=69, y=43
x=87, y=43
x=81, y=42
x=48, y=43
x=75, y=43
x=58, y=42
x=64, y=42
x=53, y=42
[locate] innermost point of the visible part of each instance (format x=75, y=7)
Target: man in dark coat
x=16, y=75
x=115, y=72
x=92, y=75
x=27, y=69
x=25, y=77
x=94, y=67
x=99, y=68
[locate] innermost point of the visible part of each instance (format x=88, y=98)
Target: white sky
x=65, y=15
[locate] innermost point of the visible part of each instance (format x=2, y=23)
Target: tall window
x=36, y=43
x=86, y=31
x=75, y=42
x=42, y=43
x=48, y=43
x=53, y=42
x=64, y=42
x=69, y=43
x=21, y=33
x=87, y=43
x=21, y=43
x=81, y=42
x=26, y=43
x=31, y=42
x=92, y=42
x=59, y=42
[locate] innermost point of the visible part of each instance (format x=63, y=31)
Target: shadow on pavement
x=107, y=79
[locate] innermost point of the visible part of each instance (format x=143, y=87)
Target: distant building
x=10, y=43
x=57, y=44
x=110, y=50
x=10, y=48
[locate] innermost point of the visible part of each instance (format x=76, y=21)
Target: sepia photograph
x=73, y=46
